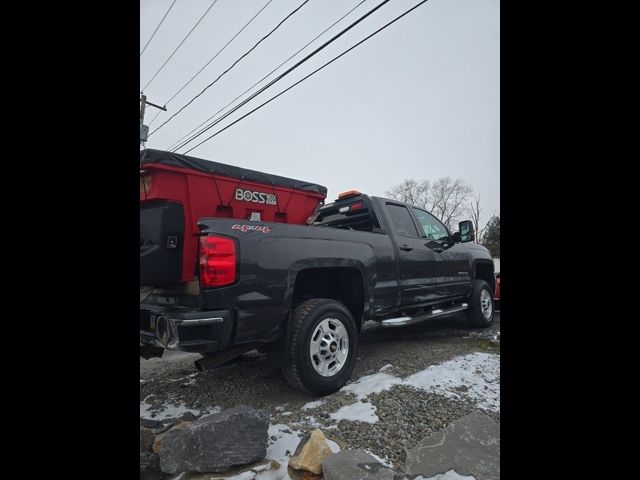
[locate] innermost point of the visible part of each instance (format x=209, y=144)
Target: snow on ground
x=365, y=386
x=169, y=411
x=383, y=461
x=311, y=421
x=357, y=412
x=310, y=405
x=249, y=475
x=476, y=375
x=280, y=450
x=448, y=475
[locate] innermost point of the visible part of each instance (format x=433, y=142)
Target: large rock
x=311, y=451
x=149, y=467
x=217, y=442
x=470, y=446
x=357, y=465
x=157, y=444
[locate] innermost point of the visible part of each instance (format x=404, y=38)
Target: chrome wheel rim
x=329, y=347
x=486, y=304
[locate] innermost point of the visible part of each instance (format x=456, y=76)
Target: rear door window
x=401, y=220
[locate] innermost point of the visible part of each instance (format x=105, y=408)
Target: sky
x=419, y=100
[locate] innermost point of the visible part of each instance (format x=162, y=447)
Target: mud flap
x=150, y=351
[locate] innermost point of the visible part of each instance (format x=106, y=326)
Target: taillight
x=217, y=261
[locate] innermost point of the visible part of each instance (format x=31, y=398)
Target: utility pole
x=144, y=129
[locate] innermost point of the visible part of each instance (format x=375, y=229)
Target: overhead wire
x=231, y=67
x=212, y=58
x=289, y=70
x=154, y=32
x=310, y=74
x=267, y=75
x=179, y=45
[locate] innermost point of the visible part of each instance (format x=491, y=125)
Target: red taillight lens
x=217, y=261
x=356, y=206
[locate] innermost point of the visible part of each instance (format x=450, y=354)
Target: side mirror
x=466, y=233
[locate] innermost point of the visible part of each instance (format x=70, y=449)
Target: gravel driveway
x=408, y=382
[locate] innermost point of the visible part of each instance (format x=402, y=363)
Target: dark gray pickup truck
x=302, y=292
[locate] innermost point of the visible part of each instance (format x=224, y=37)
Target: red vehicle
x=177, y=190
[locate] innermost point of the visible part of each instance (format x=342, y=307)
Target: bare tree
x=411, y=191
x=445, y=198
x=449, y=198
x=474, y=211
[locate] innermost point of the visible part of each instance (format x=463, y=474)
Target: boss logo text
x=256, y=197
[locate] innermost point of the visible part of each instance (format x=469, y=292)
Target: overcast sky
x=419, y=100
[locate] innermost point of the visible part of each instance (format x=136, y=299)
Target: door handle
x=406, y=248
x=438, y=249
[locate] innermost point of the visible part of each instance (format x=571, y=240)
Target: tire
x=476, y=314
x=311, y=346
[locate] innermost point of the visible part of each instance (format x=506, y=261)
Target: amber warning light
x=350, y=193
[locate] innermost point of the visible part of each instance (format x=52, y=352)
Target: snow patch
x=285, y=441
x=311, y=421
x=164, y=411
x=248, y=475
x=476, y=375
x=448, y=475
x=388, y=366
x=333, y=446
x=369, y=384
x=383, y=461
x=357, y=412
x=311, y=405
x=281, y=450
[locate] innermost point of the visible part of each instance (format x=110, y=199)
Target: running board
x=402, y=321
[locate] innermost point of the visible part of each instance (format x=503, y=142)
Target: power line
x=180, y=44
x=214, y=57
x=154, y=32
x=233, y=65
x=309, y=75
x=289, y=70
x=267, y=75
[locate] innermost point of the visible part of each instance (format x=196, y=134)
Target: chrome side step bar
x=402, y=321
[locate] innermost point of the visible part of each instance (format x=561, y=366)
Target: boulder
x=311, y=451
x=470, y=446
x=217, y=442
x=357, y=465
x=157, y=444
x=149, y=467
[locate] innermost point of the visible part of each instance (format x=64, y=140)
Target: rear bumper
x=186, y=330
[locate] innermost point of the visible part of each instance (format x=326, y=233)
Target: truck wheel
x=322, y=346
x=480, y=312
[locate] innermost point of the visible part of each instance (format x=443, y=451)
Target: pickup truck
x=302, y=292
